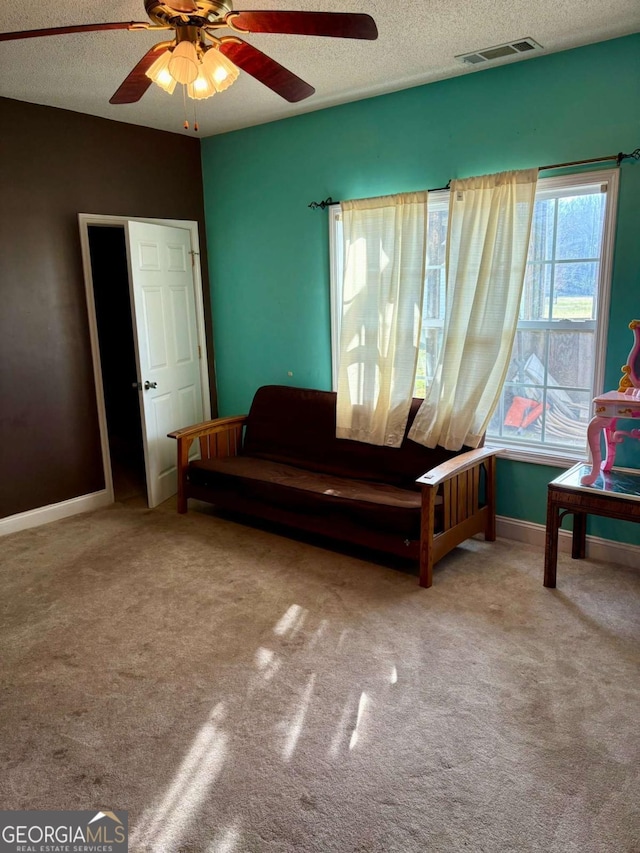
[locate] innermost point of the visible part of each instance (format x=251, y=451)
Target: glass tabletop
x=624, y=482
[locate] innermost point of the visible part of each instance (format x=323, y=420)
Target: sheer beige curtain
x=384, y=271
x=488, y=239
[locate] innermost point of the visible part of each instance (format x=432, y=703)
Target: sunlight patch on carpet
x=292, y=620
x=362, y=709
x=227, y=840
x=318, y=634
x=163, y=826
x=267, y=663
x=297, y=722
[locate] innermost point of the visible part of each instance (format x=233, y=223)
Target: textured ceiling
x=417, y=44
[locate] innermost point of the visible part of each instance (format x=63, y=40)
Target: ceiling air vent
x=488, y=54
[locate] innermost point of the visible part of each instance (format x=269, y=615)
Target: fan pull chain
x=184, y=104
x=195, y=117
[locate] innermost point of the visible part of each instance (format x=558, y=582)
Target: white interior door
x=167, y=349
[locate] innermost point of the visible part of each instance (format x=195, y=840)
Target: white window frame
x=546, y=454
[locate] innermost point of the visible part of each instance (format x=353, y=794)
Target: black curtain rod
x=635, y=155
x=329, y=202
x=617, y=157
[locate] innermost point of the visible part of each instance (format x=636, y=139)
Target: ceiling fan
x=205, y=63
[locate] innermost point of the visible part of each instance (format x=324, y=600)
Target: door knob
x=137, y=385
x=148, y=385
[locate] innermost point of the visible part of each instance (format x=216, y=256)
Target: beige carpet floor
x=238, y=691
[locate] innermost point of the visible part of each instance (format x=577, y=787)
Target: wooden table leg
x=551, y=544
x=579, y=539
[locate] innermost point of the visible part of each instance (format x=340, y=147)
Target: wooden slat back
x=454, y=501
x=235, y=441
x=204, y=447
x=461, y=497
x=446, y=501
x=476, y=488
x=221, y=442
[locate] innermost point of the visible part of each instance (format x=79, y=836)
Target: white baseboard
x=597, y=548
x=53, y=512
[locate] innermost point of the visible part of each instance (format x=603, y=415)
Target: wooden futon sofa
x=282, y=462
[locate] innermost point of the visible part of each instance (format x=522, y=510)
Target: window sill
x=555, y=457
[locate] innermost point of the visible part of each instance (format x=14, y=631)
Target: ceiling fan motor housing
x=209, y=12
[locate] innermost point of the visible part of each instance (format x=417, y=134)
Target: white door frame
x=84, y=221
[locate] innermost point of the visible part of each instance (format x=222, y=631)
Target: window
x=435, y=291
x=557, y=363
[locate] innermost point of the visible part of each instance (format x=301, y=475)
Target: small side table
x=615, y=494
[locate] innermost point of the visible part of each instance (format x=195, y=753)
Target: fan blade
x=184, y=6
x=136, y=83
x=61, y=31
x=338, y=24
x=278, y=78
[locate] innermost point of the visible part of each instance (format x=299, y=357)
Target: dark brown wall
x=55, y=164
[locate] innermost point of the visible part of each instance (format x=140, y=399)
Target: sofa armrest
x=219, y=437
x=208, y=427
x=457, y=465
x=463, y=516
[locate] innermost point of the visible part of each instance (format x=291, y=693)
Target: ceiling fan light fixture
x=220, y=70
x=204, y=70
x=183, y=63
x=160, y=74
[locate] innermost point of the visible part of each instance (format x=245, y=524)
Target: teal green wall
x=269, y=257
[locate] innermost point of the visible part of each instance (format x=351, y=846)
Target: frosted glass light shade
x=160, y=74
x=183, y=63
x=202, y=87
x=219, y=69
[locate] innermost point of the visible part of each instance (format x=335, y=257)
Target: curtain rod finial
x=315, y=205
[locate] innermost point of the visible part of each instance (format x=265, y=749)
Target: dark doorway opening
x=110, y=276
